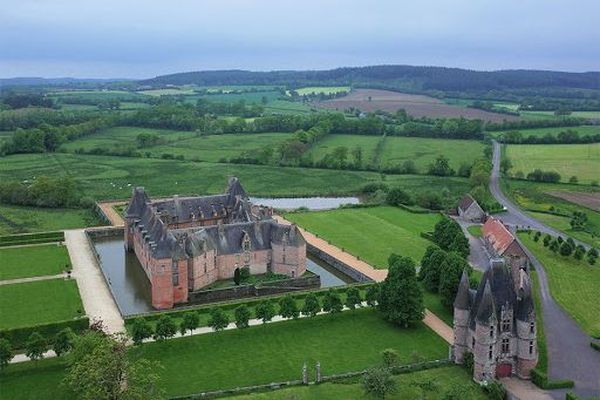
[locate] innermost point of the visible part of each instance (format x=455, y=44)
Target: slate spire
x=463, y=297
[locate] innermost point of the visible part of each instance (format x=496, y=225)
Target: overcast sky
x=145, y=38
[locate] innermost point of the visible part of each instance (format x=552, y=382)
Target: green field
x=18, y=219
x=23, y=262
x=533, y=197
x=580, y=160
x=541, y=132
x=322, y=89
x=39, y=302
x=330, y=142
x=371, y=233
x=168, y=92
x=103, y=177
x=475, y=230
x=573, y=284
x=409, y=387
x=276, y=352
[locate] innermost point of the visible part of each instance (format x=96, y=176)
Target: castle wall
x=526, y=340
x=289, y=260
x=461, y=334
x=256, y=260
x=484, y=365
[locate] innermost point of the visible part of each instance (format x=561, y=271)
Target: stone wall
x=246, y=291
x=337, y=264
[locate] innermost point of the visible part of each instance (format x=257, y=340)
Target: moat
x=131, y=288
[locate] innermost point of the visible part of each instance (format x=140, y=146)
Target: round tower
x=462, y=307
x=527, y=353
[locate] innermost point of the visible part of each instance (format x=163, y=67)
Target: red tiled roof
x=497, y=234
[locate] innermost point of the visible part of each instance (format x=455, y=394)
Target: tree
x=6, y=353
x=332, y=302
x=189, y=322
x=429, y=273
x=63, y=341
x=218, y=319
x=450, y=273
x=100, y=369
x=573, y=179
x=165, y=328
x=36, y=346
x=397, y=197
x=547, y=240
x=353, y=299
x=140, y=330
x=554, y=246
x=592, y=256
x=505, y=165
x=242, y=316
x=390, y=357
x=456, y=392
x=401, y=299
x=579, y=252
x=311, y=305
x=460, y=244
x=566, y=249
x=265, y=311
x=578, y=220
x=536, y=236
x=441, y=167
x=378, y=382
x=372, y=296
x=288, y=307
x=357, y=153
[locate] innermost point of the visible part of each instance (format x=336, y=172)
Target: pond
x=130, y=286
x=312, y=203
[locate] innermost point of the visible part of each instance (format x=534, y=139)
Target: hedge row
x=233, y=304
x=32, y=238
x=18, y=336
x=541, y=380
x=595, y=346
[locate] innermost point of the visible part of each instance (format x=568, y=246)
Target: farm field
x=23, y=262
x=322, y=89
x=19, y=219
x=168, y=91
x=578, y=114
x=574, y=284
x=415, y=105
x=326, y=145
x=536, y=199
x=39, y=302
x=102, y=177
x=541, y=132
x=589, y=200
x=580, y=160
x=371, y=233
x=354, y=341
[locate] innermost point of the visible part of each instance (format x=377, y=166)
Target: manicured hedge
x=571, y=396
x=595, y=346
x=32, y=238
x=18, y=337
x=541, y=380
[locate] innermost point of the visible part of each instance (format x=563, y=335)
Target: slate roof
x=463, y=296
x=525, y=305
x=501, y=292
x=466, y=202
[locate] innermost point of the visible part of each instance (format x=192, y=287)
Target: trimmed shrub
x=541, y=380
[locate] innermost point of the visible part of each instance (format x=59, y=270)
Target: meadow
x=536, y=200
x=580, y=160
x=573, y=284
x=371, y=233
x=322, y=89
x=20, y=219
x=39, y=302
x=23, y=262
x=103, y=177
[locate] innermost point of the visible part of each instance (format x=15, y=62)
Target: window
x=531, y=347
x=205, y=267
x=246, y=244
x=505, y=346
x=492, y=332
x=175, y=275
x=506, y=325
x=532, y=327
x=284, y=258
x=491, y=353
x=473, y=343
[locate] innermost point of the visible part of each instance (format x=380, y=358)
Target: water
x=130, y=286
x=312, y=203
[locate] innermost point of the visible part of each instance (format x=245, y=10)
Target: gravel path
x=31, y=279
x=114, y=217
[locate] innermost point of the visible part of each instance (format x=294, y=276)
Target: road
x=569, y=353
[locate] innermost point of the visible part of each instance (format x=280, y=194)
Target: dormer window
x=246, y=243
x=506, y=325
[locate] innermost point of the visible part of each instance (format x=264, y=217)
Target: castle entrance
x=503, y=370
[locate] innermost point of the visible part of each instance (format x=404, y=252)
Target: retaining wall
x=337, y=264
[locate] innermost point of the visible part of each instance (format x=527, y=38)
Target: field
x=589, y=200
x=18, y=219
x=23, y=262
x=536, y=199
x=168, y=92
x=330, y=142
x=573, y=284
x=322, y=89
x=415, y=105
x=578, y=114
x=39, y=302
x=580, y=160
x=371, y=233
x=102, y=177
x=541, y=132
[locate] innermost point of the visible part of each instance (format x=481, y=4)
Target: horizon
x=137, y=40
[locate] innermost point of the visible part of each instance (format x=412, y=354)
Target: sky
x=146, y=38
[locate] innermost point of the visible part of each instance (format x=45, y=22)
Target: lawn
x=276, y=352
x=475, y=230
x=433, y=384
x=322, y=89
x=35, y=380
x=423, y=151
x=104, y=177
x=535, y=199
x=580, y=160
x=573, y=284
x=23, y=262
x=39, y=302
x=18, y=219
x=371, y=233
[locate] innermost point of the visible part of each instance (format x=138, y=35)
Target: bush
x=18, y=337
x=595, y=346
x=541, y=380
x=36, y=346
x=165, y=328
x=6, y=353
x=218, y=319
x=265, y=311
x=242, y=316
x=140, y=330
x=63, y=341
x=495, y=390
x=469, y=362
x=378, y=382
x=397, y=196
x=390, y=357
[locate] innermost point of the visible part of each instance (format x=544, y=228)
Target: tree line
x=568, y=136
x=43, y=191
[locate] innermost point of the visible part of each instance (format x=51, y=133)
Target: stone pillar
x=318, y=368
x=304, y=375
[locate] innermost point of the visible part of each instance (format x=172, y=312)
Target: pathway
x=478, y=256
x=524, y=390
x=569, y=353
x=32, y=279
x=95, y=295
x=113, y=216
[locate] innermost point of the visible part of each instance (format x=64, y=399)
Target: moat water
x=312, y=203
x=131, y=288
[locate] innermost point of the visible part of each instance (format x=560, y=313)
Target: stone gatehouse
x=187, y=243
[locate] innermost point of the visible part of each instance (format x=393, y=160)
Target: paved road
x=569, y=353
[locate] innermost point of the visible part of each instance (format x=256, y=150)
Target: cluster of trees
x=148, y=140
x=238, y=108
x=441, y=272
x=37, y=345
x=47, y=138
x=13, y=100
x=34, y=117
x=489, y=106
x=537, y=175
x=567, y=247
x=381, y=193
x=449, y=236
x=568, y=136
x=533, y=123
x=540, y=103
x=44, y=191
